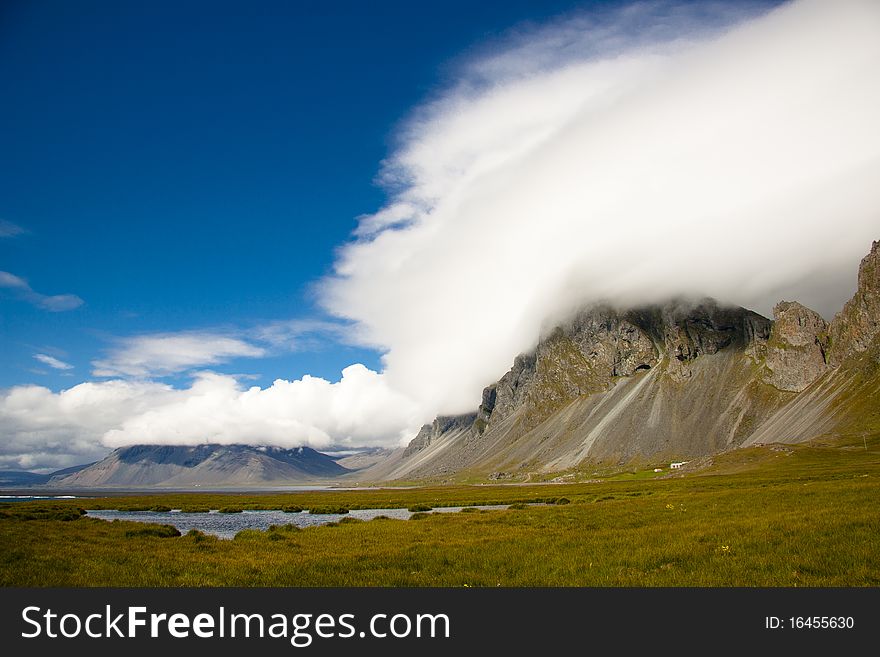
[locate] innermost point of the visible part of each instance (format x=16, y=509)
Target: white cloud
x=301, y=334
x=603, y=33
x=12, y=281
x=160, y=354
x=9, y=229
x=53, y=362
x=43, y=429
x=46, y=430
x=583, y=163
x=360, y=409
x=53, y=303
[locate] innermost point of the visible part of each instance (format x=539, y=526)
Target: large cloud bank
x=744, y=166
x=654, y=150
x=48, y=430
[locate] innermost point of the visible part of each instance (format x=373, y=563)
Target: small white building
x=677, y=464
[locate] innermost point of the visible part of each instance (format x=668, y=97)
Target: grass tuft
x=325, y=510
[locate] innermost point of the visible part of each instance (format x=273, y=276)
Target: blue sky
x=193, y=165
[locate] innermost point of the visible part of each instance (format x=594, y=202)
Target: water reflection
x=227, y=525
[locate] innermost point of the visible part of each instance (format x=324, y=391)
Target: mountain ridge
x=673, y=380
x=668, y=381
x=201, y=465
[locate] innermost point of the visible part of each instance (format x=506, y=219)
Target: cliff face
x=442, y=425
x=589, y=354
x=796, y=351
x=855, y=327
x=674, y=380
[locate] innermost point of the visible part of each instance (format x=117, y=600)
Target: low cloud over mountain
x=633, y=155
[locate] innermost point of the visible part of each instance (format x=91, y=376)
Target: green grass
x=638, y=475
x=328, y=509
x=802, y=516
x=159, y=531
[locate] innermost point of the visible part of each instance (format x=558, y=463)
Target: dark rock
x=511, y=389
x=587, y=354
x=487, y=406
x=795, y=354
x=854, y=328
x=441, y=425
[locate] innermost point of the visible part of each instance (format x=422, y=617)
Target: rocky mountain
x=671, y=381
x=173, y=466
x=855, y=328
x=661, y=382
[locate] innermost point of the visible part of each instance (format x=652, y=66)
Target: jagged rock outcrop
x=681, y=379
x=486, y=408
x=796, y=350
x=511, y=389
x=600, y=344
x=854, y=328
x=583, y=357
x=441, y=425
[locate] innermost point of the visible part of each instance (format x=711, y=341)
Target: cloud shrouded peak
x=603, y=160
x=46, y=429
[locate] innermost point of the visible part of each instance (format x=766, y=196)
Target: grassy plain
x=766, y=516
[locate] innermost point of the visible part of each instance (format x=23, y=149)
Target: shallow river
x=227, y=525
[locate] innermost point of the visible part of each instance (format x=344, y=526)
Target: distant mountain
x=670, y=381
x=362, y=458
x=12, y=478
x=172, y=466
x=22, y=478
